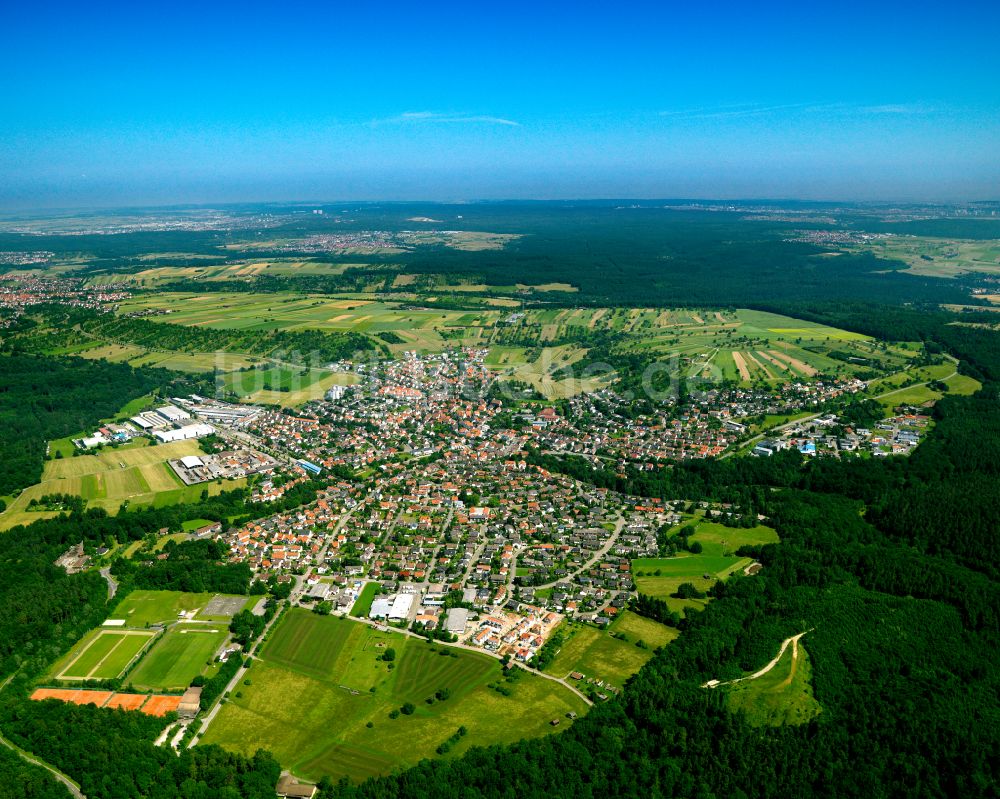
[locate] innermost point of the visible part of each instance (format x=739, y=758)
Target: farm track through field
x=750, y=357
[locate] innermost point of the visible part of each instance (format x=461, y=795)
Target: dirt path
x=112, y=582
x=794, y=641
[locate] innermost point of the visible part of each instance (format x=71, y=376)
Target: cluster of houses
x=602, y=424
x=896, y=435
x=20, y=290
x=517, y=634
x=452, y=503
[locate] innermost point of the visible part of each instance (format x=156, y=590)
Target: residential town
x=454, y=530
x=20, y=290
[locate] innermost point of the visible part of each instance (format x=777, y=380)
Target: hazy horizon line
x=512, y=200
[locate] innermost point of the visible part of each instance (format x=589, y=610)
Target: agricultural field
x=538, y=367
x=767, y=347
x=602, y=655
x=936, y=257
x=178, y=657
x=315, y=668
x=284, y=385
x=135, y=473
x=233, y=270
x=661, y=577
x=102, y=654
x=743, y=346
x=783, y=695
x=420, y=328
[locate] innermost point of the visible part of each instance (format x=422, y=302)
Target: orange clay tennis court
x=75, y=697
x=161, y=705
x=127, y=701
x=151, y=705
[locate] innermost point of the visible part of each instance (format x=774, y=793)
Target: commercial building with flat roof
x=400, y=607
x=456, y=620
x=182, y=433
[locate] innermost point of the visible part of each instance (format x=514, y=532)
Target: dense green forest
x=651, y=253
x=46, y=398
x=20, y=780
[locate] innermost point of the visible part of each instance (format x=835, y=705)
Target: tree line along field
x=135, y=473
x=612, y=655
x=661, y=577
x=318, y=684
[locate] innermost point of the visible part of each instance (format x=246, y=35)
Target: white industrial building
x=380, y=608
x=393, y=608
x=173, y=414
x=191, y=462
x=401, y=607
x=183, y=433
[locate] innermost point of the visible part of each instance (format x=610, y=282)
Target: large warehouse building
x=182, y=433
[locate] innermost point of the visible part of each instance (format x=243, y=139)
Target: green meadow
x=612, y=655
x=178, y=657
x=315, y=669
x=782, y=696
x=661, y=577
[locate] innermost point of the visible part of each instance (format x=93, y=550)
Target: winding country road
x=112, y=582
x=69, y=784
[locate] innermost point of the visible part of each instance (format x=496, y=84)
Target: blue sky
x=133, y=103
